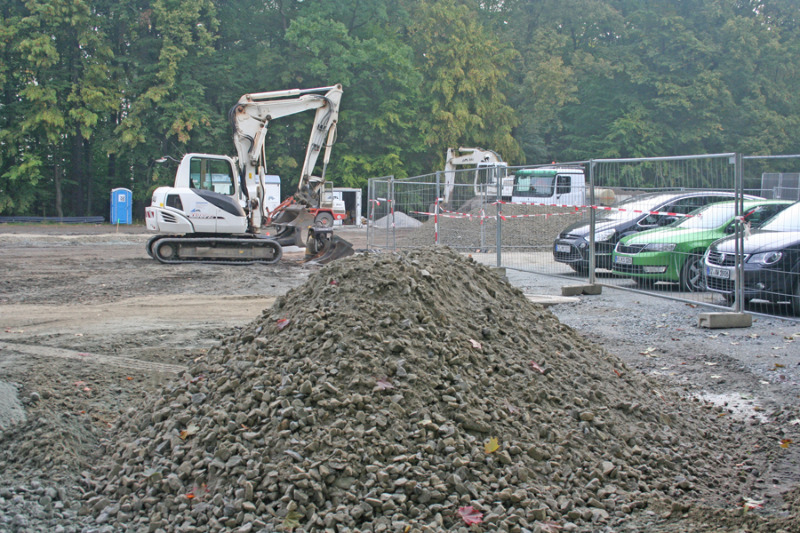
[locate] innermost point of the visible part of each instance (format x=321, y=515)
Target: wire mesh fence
x=647, y=224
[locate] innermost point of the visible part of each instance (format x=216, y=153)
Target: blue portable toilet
x=121, y=206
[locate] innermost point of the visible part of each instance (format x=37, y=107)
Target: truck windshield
x=534, y=186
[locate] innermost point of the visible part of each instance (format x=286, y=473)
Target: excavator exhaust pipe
x=322, y=246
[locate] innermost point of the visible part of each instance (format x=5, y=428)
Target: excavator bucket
x=291, y=223
x=323, y=246
x=293, y=215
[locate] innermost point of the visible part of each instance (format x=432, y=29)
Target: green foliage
x=465, y=72
x=92, y=91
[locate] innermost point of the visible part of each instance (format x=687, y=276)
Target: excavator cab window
x=174, y=200
x=211, y=175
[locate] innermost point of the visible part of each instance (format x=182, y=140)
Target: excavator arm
x=250, y=119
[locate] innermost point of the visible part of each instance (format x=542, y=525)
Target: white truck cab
x=562, y=185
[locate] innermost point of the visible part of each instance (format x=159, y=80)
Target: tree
x=54, y=95
x=466, y=75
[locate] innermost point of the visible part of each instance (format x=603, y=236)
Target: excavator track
x=214, y=250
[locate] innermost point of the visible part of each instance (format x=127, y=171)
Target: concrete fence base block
x=724, y=320
x=500, y=271
x=576, y=290
x=547, y=300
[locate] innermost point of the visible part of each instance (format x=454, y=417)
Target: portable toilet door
x=272, y=191
x=121, y=206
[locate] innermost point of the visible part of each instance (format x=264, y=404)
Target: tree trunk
x=57, y=182
x=87, y=157
x=77, y=169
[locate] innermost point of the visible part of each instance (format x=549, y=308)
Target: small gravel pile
x=410, y=392
x=398, y=220
x=523, y=226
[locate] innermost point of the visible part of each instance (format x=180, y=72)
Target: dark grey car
x=771, y=262
x=635, y=214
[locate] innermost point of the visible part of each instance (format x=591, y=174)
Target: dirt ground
x=90, y=325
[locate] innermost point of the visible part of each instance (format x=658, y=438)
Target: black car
x=771, y=264
x=638, y=213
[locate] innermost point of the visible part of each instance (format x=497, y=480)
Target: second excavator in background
x=217, y=207
x=489, y=169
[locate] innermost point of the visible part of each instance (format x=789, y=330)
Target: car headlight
x=766, y=258
x=606, y=235
x=660, y=247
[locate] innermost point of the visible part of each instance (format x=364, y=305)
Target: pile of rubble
x=413, y=391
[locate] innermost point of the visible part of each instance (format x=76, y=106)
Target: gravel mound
x=408, y=392
x=399, y=219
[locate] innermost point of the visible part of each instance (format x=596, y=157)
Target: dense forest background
x=93, y=91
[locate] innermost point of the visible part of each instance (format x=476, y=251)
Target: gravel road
x=91, y=326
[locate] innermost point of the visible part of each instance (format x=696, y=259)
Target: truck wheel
x=692, y=274
x=323, y=220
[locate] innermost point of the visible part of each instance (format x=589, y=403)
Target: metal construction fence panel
x=676, y=227
x=770, y=272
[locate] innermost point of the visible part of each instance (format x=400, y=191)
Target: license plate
x=623, y=260
x=723, y=273
x=563, y=248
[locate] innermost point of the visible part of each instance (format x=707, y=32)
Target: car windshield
x=786, y=220
x=708, y=217
x=632, y=207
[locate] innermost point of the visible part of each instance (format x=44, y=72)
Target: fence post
x=369, y=213
x=592, y=222
x=436, y=207
x=391, y=207
x=498, y=241
x=738, y=283
x=436, y=222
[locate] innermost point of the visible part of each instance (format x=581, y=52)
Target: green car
x=674, y=253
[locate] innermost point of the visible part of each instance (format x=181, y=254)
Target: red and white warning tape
x=482, y=216
x=603, y=208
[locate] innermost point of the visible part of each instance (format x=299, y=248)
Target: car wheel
x=579, y=268
x=692, y=274
x=796, y=299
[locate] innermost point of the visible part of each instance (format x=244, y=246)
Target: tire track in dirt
x=128, y=363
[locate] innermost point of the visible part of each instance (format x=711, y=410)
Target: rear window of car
x=786, y=220
x=632, y=207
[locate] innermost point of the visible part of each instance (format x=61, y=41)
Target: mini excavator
x=217, y=207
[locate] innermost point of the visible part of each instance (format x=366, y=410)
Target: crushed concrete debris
x=392, y=390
